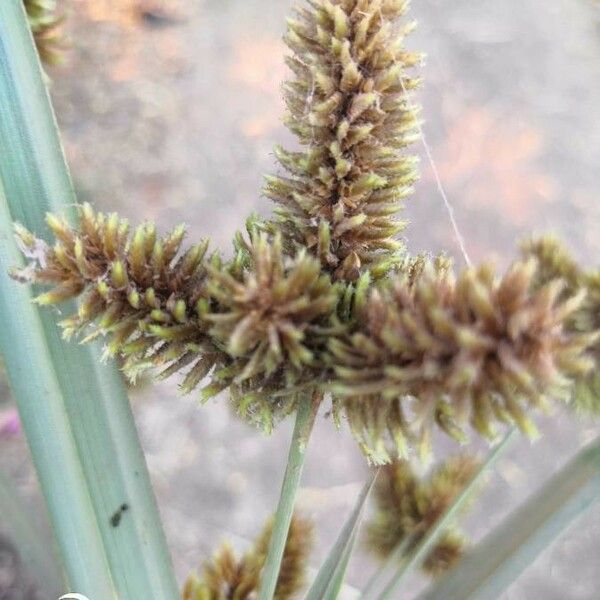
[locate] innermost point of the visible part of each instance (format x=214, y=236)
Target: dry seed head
x=408, y=506
x=349, y=108
x=226, y=577
x=267, y=316
x=440, y=349
x=140, y=289
x=555, y=261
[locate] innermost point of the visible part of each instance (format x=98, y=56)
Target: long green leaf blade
x=36, y=180
x=44, y=418
x=503, y=555
x=329, y=579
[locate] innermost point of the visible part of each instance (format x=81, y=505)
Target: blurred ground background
x=169, y=111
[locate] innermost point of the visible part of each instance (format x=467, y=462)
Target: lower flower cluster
x=226, y=577
x=422, y=347
x=408, y=506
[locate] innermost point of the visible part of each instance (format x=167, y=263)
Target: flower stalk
x=305, y=417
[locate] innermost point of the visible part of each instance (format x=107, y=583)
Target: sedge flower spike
x=348, y=107
x=408, y=506
x=443, y=349
x=136, y=287
x=226, y=577
x=556, y=262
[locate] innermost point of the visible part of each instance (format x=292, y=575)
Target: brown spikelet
x=269, y=309
x=294, y=565
x=555, y=261
x=227, y=578
x=443, y=349
x=408, y=506
x=137, y=287
x=349, y=108
x=266, y=313
x=253, y=324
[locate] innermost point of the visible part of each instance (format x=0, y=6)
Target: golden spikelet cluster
x=138, y=287
x=349, y=108
x=423, y=346
x=324, y=299
x=407, y=506
x=267, y=315
x=443, y=348
x=45, y=22
x=226, y=577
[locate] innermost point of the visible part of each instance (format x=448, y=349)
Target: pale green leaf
x=36, y=180
x=501, y=557
x=329, y=579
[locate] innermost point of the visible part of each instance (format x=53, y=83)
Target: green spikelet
x=407, y=506
x=227, y=578
x=348, y=106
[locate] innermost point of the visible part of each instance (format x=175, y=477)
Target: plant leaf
x=36, y=180
x=329, y=579
x=503, y=555
x=45, y=421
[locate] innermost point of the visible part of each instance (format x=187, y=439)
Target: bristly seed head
x=226, y=577
x=408, y=506
x=349, y=108
x=440, y=349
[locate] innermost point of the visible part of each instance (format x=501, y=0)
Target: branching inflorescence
x=325, y=297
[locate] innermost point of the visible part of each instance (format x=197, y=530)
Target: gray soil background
x=169, y=111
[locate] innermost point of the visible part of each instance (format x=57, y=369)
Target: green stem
x=498, y=560
x=424, y=546
x=305, y=417
x=44, y=418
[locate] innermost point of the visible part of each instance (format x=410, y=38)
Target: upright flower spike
x=440, y=349
x=227, y=578
x=408, y=506
x=349, y=108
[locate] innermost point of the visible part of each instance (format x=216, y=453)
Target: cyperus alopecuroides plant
x=324, y=296
x=323, y=300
